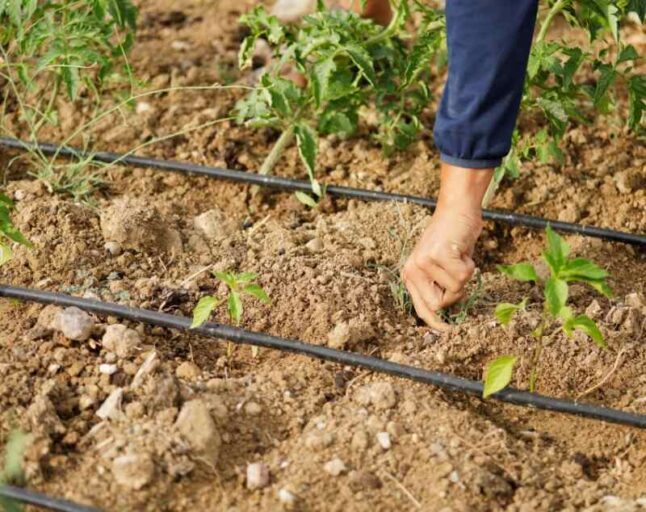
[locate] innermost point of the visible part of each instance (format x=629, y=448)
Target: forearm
x=462, y=189
x=488, y=43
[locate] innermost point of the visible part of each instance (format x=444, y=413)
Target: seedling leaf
x=255, y=290
x=203, y=310
x=505, y=311
x=556, y=293
x=557, y=251
x=520, y=271
x=586, y=325
x=306, y=139
x=580, y=269
x=235, y=307
x=498, y=374
x=306, y=199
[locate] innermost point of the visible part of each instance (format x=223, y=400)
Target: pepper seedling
x=562, y=270
x=12, y=470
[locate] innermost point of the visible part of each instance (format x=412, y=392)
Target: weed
x=555, y=311
x=12, y=469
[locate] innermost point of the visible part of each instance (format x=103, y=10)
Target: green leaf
x=226, y=277
x=321, y=79
x=203, y=310
x=306, y=139
x=5, y=253
x=553, y=109
x=235, y=307
x=306, y=199
x=586, y=325
x=602, y=287
x=580, y=269
x=498, y=374
x=557, y=250
x=505, y=311
x=627, y=53
x=362, y=60
x=246, y=52
x=14, y=453
x=520, y=271
x=556, y=293
x=255, y=290
x=245, y=277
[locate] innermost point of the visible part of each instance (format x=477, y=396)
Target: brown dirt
x=329, y=275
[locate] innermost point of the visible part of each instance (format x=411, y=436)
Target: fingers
x=424, y=312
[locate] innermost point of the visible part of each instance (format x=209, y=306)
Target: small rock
x=108, y=369
x=379, y=394
x=252, y=408
x=257, y=476
x=111, y=407
x=350, y=332
x=134, y=471
x=198, y=428
x=86, y=402
x=42, y=416
x=594, y=310
x=635, y=300
x=335, y=467
x=383, y=438
x=187, y=371
x=147, y=367
x=616, y=315
x=75, y=324
x=180, y=46
x=314, y=245
x=113, y=248
x=214, y=224
x=143, y=107
x=292, y=10
x=286, y=497
x=47, y=322
x=360, y=441
x=121, y=340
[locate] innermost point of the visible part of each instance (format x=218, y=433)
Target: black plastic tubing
x=241, y=336
x=42, y=500
x=513, y=219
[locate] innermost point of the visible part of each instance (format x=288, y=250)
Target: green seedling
x=348, y=64
x=12, y=469
x=555, y=311
x=464, y=306
x=8, y=232
x=237, y=285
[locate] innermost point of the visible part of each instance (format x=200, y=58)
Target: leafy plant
x=349, y=65
x=555, y=311
x=558, y=87
x=12, y=470
x=237, y=285
x=8, y=232
x=54, y=52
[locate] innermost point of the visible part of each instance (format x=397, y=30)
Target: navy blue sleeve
x=489, y=43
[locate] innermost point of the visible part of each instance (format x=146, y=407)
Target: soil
x=145, y=418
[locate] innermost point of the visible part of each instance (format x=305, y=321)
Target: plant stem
x=558, y=6
x=536, y=356
x=274, y=155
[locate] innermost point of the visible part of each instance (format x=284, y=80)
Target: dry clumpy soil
x=131, y=417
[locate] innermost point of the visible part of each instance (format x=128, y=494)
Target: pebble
x=314, y=245
x=257, y=476
x=134, y=471
x=594, y=309
x=252, y=408
x=111, y=407
x=335, y=467
x=75, y=324
x=214, y=224
x=187, y=371
x=286, y=497
x=121, y=340
x=113, y=248
x=108, y=369
x=383, y=438
x=198, y=428
x=379, y=394
x=635, y=300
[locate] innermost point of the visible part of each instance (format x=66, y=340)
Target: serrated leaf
x=362, y=60
x=203, y=310
x=505, y=311
x=580, y=269
x=520, y=271
x=556, y=294
x=307, y=142
x=306, y=199
x=602, y=287
x=5, y=253
x=235, y=307
x=246, y=52
x=553, y=108
x=255, y=290
x=226, y=277
x=586, y=325
x=627, y=53
x=498, y=374
x=321, y=79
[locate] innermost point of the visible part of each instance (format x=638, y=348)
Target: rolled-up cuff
x=471, y=163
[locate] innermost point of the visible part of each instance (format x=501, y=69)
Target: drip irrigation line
x=277, y=182
x=375, y=364
x=42, y=500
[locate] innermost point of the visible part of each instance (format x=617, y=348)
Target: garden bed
x=328, y=271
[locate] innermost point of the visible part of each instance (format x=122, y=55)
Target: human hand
x=441, y=263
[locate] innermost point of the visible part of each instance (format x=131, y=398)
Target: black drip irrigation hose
x=375, y=364
x=42, y=500
x=513, y=219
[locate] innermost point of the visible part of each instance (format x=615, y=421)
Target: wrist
x=462, y=189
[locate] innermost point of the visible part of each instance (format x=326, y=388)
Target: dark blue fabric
x=489, y=43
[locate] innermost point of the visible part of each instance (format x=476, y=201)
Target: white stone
x=335, y=467
x=121, y=340
x=111, y=407
x=147, y=367
x=134, y=471
x=75, y=324
x=383, y=438
x=108, y=369
x=197, y=427
x=257, y=476
x=286, y=497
